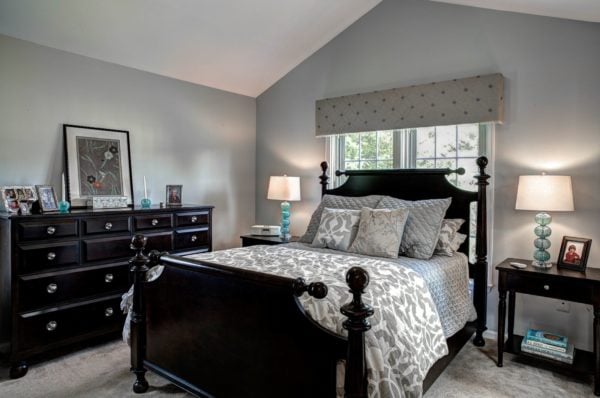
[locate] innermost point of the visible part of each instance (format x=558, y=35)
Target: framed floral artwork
x=98, y=163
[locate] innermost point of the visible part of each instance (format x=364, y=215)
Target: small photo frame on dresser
x=47, y=198
x=174, y=195
x=574, y=253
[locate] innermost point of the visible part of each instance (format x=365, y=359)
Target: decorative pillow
x=337, y=229
x=337, y=202
x=379, y=232
x=423, y=224
x=447, y=233
x=457, y=241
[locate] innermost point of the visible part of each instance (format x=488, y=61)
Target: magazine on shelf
x=552, y=339
x=539, y=344
x=566, y=357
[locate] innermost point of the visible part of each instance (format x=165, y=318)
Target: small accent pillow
x=423, y=224
x=457, y=241
x=338, y=229
x=379, y=232
x=336, y=202
x=447, y=233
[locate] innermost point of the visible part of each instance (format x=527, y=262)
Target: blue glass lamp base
x=63, y=206
x=285, y=221
x=146, y=203
x=542, y=230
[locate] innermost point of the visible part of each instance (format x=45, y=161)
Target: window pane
x=468, y=140
x=368, y=143
x=467, y=181
x=368, y=165
x=445, y=141
x=425, y=142
x=425, y=164
x=351, y=142
x=445, y=163
x=386, y=145
x=385, y=164
x=351, y=165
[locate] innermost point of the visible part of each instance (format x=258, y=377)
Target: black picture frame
x=47, y=198
x=114, y=169
x=574, y=253
x=174, y=195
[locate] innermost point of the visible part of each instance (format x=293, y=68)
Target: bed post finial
x=324, y=178
x=138, y=267
x=481, y=264
x=355, y=383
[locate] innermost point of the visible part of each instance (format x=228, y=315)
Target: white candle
x=145, y=189
x=64, y=189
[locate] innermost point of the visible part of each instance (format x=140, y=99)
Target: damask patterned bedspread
x=406, y=337
x=447, y=279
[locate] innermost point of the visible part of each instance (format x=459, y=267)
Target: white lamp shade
x=284, y=188
x=545, y=193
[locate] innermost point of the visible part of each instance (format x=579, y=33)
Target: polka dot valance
x=472, y=100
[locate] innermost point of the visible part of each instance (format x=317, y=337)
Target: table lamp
x=544, y=193
x=284, y=188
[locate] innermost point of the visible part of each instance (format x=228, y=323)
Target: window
x=425, y=147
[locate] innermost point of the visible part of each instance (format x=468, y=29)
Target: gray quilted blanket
x=406, y=337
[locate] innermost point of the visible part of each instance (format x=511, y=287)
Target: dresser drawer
x=43, y=290
x=560, y=288
x=33, y=258
x=192, y=219
x=47, y=230
x=104, y=225
x=188, y=239
x=162, y=241
x=155, y=221
x=103, y=249
x=58, y=325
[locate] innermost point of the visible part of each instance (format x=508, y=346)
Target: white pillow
x=337, y=228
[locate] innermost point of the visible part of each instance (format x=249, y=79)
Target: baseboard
x=490, y=334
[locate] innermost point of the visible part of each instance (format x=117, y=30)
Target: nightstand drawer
x=47, y=230
x=560, y=288
x=104, y=225
x=44, y=290
x=34, y=258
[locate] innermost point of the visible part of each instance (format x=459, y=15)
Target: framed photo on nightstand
x=574, y=253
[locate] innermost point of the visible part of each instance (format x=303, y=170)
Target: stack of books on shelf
x=548, y=345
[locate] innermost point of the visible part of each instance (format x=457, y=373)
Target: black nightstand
x=251, y=240
x=562, y=284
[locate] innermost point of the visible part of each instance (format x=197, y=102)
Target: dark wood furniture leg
x=511, y=317
x=501, y=320
x=138, y=319
x=18, y=369
x=597, y=349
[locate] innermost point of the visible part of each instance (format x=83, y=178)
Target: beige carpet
x=103, y=372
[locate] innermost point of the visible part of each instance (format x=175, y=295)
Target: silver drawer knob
x=108, y=312
x=50, y=326
x=108, y=226
x=194, y=218
x=50, y=230
x=52, y=288
x=51, y=256
x=108, y=278
x=546, y=287
x=154, y=221
x=194, y=238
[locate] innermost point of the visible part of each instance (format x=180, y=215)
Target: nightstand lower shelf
x=583, y=361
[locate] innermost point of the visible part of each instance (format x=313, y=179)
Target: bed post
x=324, y=178
x=139, y=267
x=355, y=383
x=481, y=265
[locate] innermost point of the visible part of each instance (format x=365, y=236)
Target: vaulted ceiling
x=242, y=46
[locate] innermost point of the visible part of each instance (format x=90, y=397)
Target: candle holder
x=146, y=203
x=63, y=206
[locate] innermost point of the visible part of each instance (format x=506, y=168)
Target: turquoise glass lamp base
x=285, y=221
x=63, y=206
x=542, y=231
x=146, y=203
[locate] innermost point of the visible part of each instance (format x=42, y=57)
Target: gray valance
x=472, y=100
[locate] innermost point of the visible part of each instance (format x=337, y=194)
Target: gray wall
x=552, y=117
x=180, y=133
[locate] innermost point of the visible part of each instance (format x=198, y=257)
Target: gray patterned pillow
x=337, y=202
x=379, y=232
x=337, y=229
x=457, y=241
x=447, y=233
x=423, y=224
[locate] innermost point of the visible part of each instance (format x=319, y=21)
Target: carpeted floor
x=103, y=372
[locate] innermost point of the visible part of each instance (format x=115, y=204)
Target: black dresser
x=62, y=275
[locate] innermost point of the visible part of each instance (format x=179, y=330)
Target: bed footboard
x=220, y=331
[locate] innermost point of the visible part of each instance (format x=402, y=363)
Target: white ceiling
x=242, y=46
x=581, y=10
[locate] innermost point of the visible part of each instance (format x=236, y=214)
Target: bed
x=217, y=325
